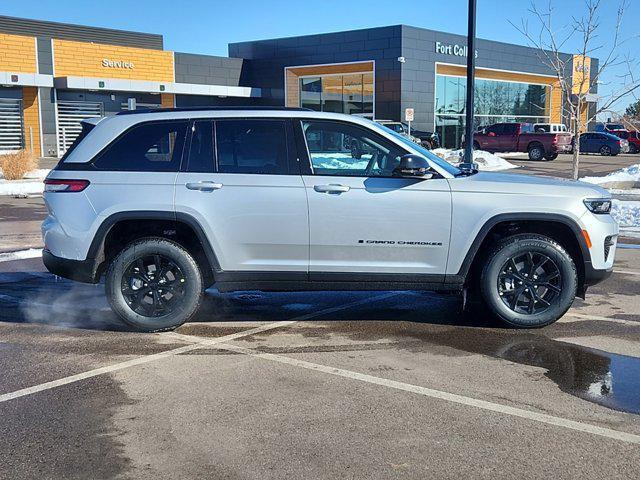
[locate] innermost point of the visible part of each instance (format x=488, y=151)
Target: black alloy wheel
x=529, y=283
x=605, y=150
x=153, y=286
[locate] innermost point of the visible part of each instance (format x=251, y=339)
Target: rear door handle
x=204, y=186
x=332, y=188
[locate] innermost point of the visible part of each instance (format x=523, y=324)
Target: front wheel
x=529, y=281
x=551, y=156
x=154, y=284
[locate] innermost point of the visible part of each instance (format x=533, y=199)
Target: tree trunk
x=576, y=156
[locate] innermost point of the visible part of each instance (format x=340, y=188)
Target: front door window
x=342, y=149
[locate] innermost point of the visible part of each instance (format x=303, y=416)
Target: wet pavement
x=350, y=385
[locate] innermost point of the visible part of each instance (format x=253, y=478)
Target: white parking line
x=625, y=272
x=177, y=351
x=439, y=394
x=582, y=316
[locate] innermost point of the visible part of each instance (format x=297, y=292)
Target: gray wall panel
x=209, y=70
x=66, y=31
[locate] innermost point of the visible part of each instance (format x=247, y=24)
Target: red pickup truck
x=520, y=137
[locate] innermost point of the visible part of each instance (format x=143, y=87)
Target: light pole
x=471, y=73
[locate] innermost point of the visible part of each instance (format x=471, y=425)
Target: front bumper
x=593, y=276
x=78, y=270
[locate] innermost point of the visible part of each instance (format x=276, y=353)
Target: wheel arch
x=177, y=226
x=535, y=143
x=558, y=227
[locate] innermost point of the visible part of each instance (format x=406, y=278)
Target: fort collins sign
x=452, y=49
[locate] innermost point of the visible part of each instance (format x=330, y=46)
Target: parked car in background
x=520, y=137
x=601, y=142
x=550, y=127
x=428, y=140
x=400, y=128
x=632, y=137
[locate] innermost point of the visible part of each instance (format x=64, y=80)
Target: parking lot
x=316, y=385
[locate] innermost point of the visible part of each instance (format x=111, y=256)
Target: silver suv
x=167, y=203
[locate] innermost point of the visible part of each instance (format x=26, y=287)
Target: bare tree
x=575, y=78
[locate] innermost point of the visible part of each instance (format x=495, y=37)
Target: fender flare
x=507, y=217
x=96, y=249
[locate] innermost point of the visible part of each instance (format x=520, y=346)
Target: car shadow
x=39, y=297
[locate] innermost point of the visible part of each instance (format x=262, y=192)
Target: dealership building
x=53, y=75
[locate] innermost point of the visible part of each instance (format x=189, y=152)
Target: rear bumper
x=78, y=270
x=562, y=148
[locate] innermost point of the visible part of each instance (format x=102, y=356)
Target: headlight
x=599, y=206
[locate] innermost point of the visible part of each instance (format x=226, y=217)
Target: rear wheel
x=605, y=150
x=529, y=281
x=536, y=152
x=154, y=284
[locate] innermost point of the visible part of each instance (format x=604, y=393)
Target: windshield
x=424, y=152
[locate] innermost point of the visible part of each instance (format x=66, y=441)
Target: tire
x=551, y=156
x=177, y=294
x=536, y=152
x=633, y=149
x=605, y=150
x=476, y=146
x=499, y=286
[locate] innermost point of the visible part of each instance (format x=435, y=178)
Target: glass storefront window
x=310, y=90
x=352, y=94
x=495, y=102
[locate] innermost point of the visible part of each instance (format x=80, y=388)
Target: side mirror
x=413, y=166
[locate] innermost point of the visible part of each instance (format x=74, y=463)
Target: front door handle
x=332, y=188
x=204, y=186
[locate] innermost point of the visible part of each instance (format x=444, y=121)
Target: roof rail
x=204, y=109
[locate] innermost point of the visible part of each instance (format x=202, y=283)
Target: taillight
x=55, y=185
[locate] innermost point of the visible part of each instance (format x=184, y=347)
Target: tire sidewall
x=489, y=281
x=178, y=255
x=539, y=155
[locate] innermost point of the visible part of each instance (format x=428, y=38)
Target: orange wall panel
x=17, y=54
x=93, y=60
x=167, y=100
x=31, y=115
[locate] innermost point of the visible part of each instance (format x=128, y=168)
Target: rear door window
x=201, y=149
x=252, y=146
x=148, y=147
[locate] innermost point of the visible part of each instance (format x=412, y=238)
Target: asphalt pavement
x=316, y=385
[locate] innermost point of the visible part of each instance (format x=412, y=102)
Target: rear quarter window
x=147, y=147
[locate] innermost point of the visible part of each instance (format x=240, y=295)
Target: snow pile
x=31, y=185
x=486, y=161
x=21, y=255
x=627, y=214
x=628, y=177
